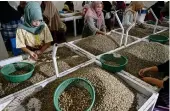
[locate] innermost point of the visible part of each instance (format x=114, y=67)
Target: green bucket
x=80, y=82
x=158, y=38
x=151, y=22
x=121, y=61
x=11, y=68
x=167, y=17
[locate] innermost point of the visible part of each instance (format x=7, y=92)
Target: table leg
x=75, y=29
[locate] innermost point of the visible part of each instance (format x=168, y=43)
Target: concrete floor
x=72, y=38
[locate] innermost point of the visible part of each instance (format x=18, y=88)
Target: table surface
x=71, y=18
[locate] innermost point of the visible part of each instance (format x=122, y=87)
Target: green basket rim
x=101, y=60
x=17, y=75
x=167, y=17
x=152, y=38
x=71, y=79
x=151, y=22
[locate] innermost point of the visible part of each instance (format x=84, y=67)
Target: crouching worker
x=33, y=37
x=163, y=99
x=94, y=20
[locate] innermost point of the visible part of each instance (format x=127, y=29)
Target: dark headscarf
x=107, y=6
x=21, y=7
x=8, y=13
x=70, y=5
x=120, y=5
x=157, y=8
x=165, y=10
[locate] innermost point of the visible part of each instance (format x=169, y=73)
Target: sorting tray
x=145, y=33
x=39, y=76
x=146, y=98
x=97, y=51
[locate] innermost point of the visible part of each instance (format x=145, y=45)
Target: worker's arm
x=31, y=53
x=160, y=68
x=39, y=52
x=154, y=81
x=47, y=39
x=100, y=32
x=20, y=43
x=103, y=26
x=90, y=22
x=152, y=69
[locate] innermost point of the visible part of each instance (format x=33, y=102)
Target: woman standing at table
x=33, y=37
x=21, y=7
x=9, y=19
x=131, y=11
x=94, y=20
x=52, y=19
x=165, y=10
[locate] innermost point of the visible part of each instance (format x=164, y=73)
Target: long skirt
x=58, y=36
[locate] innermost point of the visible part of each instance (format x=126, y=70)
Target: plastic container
x=61, y=11
x=167, y=17
x=80, y=82
x=122, y=61
x=158, y=38
x=10, y=68
x=15, y=50
x=141, y=15
x=151, y=22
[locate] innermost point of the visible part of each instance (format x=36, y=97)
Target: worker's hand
x=103, y=33
x=142, y=71
x=33, y=55
x=38, y=52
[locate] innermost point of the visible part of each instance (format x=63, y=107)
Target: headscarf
x=70, y=5
x=21, y=7
x=107, y=6
x=136, y=5
x=165, y=10
x=51, y=13
x=8, y=13
x=120, y=5
x=95, y=14
x=32, y=12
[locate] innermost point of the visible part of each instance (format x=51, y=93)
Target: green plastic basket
x=80, y=82
x=151, y=22
x=167, y=17
x=158, y=38
x=10, y=68
x=122, y=61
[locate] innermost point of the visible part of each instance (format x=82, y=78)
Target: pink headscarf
x=95, y=14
